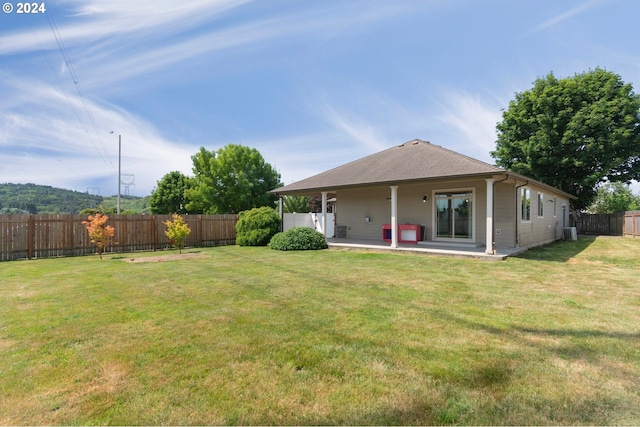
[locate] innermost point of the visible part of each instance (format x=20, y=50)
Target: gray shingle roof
x=411, y=161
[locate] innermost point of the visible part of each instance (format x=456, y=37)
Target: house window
x=525, y=204
x=454, y=215
x=540, y=205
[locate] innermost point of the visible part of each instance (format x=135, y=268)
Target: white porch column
x=394, y=216
x=489, y=231
x=324, y=214
x=281, y=212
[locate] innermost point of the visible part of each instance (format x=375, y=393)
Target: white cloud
x=555, y=20
x=116, y=20
x=52, y=134
x=471, y=122
x=59, y=147
x=355, y=128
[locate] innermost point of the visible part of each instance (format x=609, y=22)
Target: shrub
x=177, y=231
x=298, y=239
x=257, y=226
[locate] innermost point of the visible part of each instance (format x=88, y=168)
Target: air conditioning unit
x=570, y=233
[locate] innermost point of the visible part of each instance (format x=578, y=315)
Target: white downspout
x=493, y=209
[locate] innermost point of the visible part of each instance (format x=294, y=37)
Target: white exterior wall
x=313, y=220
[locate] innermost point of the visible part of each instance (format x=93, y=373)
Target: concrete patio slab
x=430, y=249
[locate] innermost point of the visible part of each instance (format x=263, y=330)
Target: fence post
x=32, y=236
x=154, y=232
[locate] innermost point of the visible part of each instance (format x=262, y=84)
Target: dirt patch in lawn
x=163, y=258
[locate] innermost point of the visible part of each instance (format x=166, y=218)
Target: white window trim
x=522, y=190
x=540, y=204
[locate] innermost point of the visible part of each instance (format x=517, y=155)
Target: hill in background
x=44, y=199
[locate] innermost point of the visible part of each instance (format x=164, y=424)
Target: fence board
x=632, y=224
x=46, y=236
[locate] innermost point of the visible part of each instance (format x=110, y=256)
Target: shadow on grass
x=560, y=251
x=578, y=333
x=518, y=331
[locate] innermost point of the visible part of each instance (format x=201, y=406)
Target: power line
x=76, y=81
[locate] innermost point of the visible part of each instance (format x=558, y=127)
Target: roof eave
x=333, y=188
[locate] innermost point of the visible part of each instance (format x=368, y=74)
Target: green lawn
x=236, y=335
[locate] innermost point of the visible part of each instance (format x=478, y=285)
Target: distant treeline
x=44, y=199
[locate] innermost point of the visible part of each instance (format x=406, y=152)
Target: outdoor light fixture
x=425, y=198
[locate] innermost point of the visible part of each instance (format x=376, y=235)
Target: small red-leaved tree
x=177, y=231
x=100, y=233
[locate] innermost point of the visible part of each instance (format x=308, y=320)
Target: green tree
x=573, y=133
x=169, y=196
x=614, y=197
x=299, y=204
x=233, y=179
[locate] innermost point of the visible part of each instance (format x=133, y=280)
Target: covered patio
x=423, y=198
x=425, y=249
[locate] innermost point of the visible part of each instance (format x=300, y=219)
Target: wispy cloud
x=555, y=20
x=471, y=122
x=115, y=20
x=355, y=128
x=63, y=136
x=51, y=146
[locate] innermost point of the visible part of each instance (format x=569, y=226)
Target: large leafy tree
x=233, y=179
x=614, y=197
x=573, y=133
x=169, y=196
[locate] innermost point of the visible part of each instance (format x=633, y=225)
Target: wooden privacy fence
x=632, y=224
x=617, y=224
x=601, y=224
x=46, y=236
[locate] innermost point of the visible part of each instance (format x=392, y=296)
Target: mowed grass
x=236, y=335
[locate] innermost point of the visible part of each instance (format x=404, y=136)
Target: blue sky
x=310, y=84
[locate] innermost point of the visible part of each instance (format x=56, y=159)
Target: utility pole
x=119, y=168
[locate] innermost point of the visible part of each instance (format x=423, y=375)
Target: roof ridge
x=359, y=159
x=468, y=157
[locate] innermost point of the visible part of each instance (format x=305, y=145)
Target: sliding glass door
x=454, y=217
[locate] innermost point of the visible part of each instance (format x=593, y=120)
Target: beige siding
x=545, y=228
x=504, y=215
x=354, y=206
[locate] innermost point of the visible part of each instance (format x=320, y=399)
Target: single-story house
x=420, y=193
